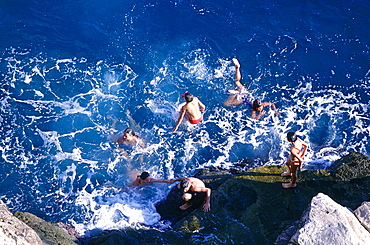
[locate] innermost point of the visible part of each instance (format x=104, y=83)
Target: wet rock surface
x=251, y=207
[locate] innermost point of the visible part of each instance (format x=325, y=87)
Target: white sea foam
x=72, y=132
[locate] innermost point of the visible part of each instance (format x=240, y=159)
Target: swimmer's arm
x=141, y=142
x=136, y=182
x=260, y=114
x=166, y=181
x=272, y=106
x=203, y=107
x=183, y=111
x=178, y=179
x=160, y=181
x=120, y=140
x=122, y=151
x=254, y=114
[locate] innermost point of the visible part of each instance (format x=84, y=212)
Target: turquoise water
x=75, y=74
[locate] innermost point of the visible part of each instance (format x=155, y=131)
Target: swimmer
x=129, y=138
x=297, y=152
x=192, y=110
x=242, y=96
x=192, y=187
x=145, y=179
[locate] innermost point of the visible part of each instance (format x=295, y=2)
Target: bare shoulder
x=184, y=107
x=197, y=182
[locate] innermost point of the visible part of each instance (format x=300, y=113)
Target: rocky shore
x=247, y=207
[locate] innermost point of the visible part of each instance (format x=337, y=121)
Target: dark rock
x=353, y=166
x=257, y=202
x=247, y=208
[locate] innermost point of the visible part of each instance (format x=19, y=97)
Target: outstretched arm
x=160, y=181
x=175, y=180
x=183, y=111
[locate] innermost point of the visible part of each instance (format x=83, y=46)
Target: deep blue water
x=70, y=68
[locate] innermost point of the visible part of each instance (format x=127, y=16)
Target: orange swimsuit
x=297, y=161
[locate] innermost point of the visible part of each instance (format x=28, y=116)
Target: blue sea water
x=75, y=74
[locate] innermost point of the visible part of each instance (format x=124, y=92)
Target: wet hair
x=144, y=175
x=129, y=131
x=291, y=136
x=184, y=183
x=188, y=97
x=256, y=104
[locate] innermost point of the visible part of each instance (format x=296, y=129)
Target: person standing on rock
x=194, y=189
x=294, y=163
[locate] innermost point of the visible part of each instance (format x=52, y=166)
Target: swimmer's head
x=184, y=184
x=256, y=104
x=144, y=175
x=291, y=136
x=129, y=131
x=188, y=97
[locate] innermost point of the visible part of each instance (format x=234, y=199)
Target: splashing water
x=60, y=118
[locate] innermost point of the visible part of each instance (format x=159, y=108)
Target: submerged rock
x=326, y=222
x=14, y=231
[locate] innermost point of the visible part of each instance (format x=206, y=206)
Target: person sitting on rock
x=297, y=152
x=193, y=188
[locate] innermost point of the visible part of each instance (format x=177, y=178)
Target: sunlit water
x=68, y=94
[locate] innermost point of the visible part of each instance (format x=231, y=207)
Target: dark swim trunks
x=197, y=198
x=247, y=98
